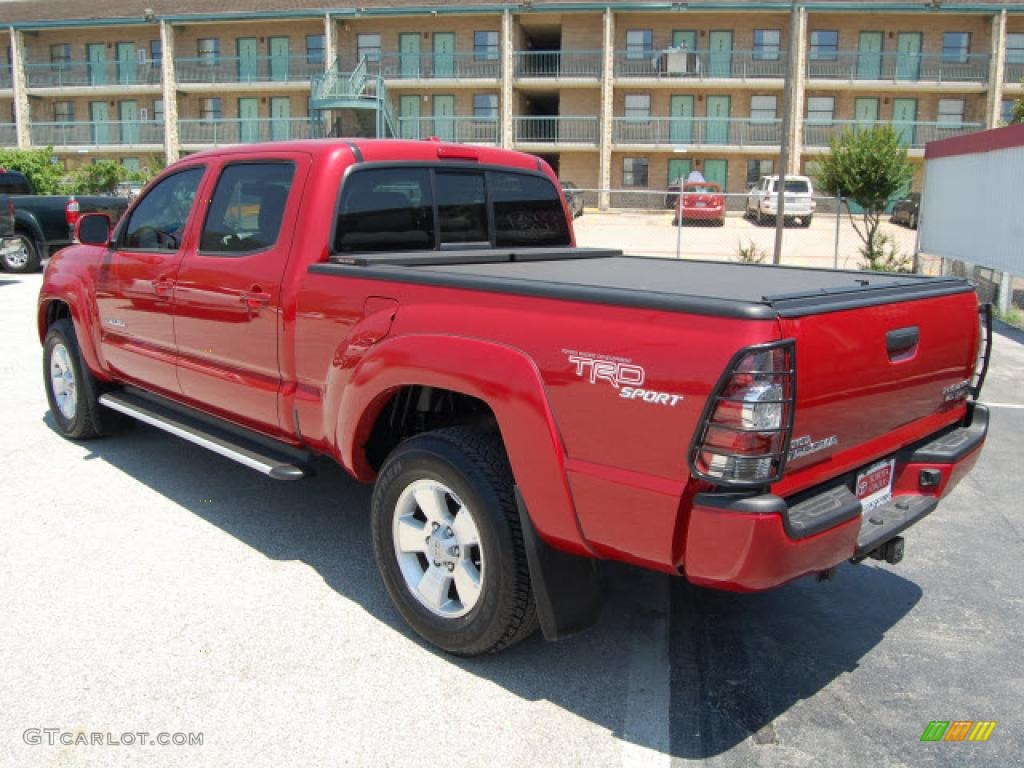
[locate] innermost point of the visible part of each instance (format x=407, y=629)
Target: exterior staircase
x=352, y=103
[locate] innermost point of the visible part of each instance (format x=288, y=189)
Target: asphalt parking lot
x=150, y=586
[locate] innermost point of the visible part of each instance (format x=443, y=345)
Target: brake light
x=744, y=435
x=71, y=212
x=984, y=349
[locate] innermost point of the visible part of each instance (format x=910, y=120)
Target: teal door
x=718, y=120
x=128, y=112
x=409, y=117
x=904, y=114
x=865, y=112
x=126, y=70
x=97, y=53
x=444, y=117
x=908, y=56
x=100, y=117
x=720, y=54
x=678, y=169
x=869, y=56
x=680, y=129
x=444, y=54
x=280, y=118
x=684, y=38
x=248, y=120
x=279, y=58
x=409, y=54
x=248, y=59
x=717, y=171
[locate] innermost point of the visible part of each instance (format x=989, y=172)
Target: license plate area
x=874, y=484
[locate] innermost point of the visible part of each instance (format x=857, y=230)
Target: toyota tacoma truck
x=418, y=312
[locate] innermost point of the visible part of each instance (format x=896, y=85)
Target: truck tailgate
x=873, y=379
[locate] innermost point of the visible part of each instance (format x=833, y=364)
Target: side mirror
x=93, y=229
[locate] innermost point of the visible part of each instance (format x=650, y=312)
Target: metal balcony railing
x=556, y=130
x=1014, y=72
x=8, y=135
x=246, y=69
x=97, y=133
x=699, y=64
x=697, y=130
x=245, y=130
x=128, y=71
x=434, y=66
x=6, y=81
x=558, y=64
x=470, y=130
x=912, y=134
x=909, y=67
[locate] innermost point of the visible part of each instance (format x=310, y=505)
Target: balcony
x=216, y=70
x=108, y=72
x=556, y=130
x=8, y=135
x=558, y=65
x=434, y=66
x=674, y=131
x=469, y=130
x=245, y=131
x=1012, y=75
x=97, y=134
x=912, y=134
x=674, y=64
x=901, y=67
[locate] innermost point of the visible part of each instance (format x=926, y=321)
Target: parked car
x=43, y=223
x=703, y=202
x=574, y=197
x=521, y=405
x=763, y=200
x=907, y=210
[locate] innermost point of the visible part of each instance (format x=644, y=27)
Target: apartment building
x=621, y=95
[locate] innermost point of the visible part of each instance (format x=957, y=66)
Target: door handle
x=163, y=287
x=255, y=298
x=901, y=343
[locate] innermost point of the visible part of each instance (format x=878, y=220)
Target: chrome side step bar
x=253, y=451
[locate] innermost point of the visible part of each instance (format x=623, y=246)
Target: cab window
x=158, y=221
x=247, y=208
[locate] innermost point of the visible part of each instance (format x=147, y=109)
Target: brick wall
x=37, y=45
x=662, y=25
x=186, y=40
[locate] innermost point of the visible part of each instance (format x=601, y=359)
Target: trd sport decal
x=621, y=373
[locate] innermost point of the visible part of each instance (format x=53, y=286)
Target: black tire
x=90, y=419
x=26, y=258
x=912, y=222
x=472, y=463
x=805, y=222
x=759, y=217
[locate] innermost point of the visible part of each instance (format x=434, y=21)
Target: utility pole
x=787, y=108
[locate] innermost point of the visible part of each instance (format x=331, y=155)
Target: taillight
x=984, y=349
x=71, y=212
x=744, y=435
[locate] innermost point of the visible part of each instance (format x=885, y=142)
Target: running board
x=232, y=442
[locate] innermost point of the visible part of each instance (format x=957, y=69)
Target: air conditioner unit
x=143, y=113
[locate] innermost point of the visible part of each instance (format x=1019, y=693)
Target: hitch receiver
x=891, y=551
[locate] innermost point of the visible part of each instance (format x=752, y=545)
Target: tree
x=868, y=166
x=39, y=165
x=99, y=178
x=1017, y=116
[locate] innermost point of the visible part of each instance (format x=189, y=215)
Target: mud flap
x=565, y=586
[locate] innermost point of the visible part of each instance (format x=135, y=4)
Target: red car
x=416, y=311
x=703, y=201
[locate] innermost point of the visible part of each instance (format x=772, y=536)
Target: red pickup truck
x=417, y=311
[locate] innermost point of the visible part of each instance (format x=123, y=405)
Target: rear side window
x=247, y=207
x=386, y=210
x=527, y=211
x=12, y=184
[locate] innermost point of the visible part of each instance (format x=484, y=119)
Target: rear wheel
x=448, y=542
x=25, y=256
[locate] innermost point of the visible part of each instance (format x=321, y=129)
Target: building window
x=758, y=168
x=824, y=45
x=156, y=51
x=64, y=111
x=638, y=106
x=1006, y=110
x=955, y=46
x=639, y=43
x=315, y=49
x=951, y=111
x=209, y=50
x=767, y=44
x=1015, y=48
x=368, y=46
x=60, y=53
x=820, y=109
x=158, y=111
x=210, y=109
x=762, y=108
x=634, y=172
x=485, y=46
x=485, y=106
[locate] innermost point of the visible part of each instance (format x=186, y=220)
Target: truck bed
x=608, y=277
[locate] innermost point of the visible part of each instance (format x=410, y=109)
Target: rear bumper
x=703, y=213
x=745, y=543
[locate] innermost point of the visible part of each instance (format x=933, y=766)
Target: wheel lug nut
x=450, y=567
x=434, y=526
x=453, y=551
x=448, y=532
